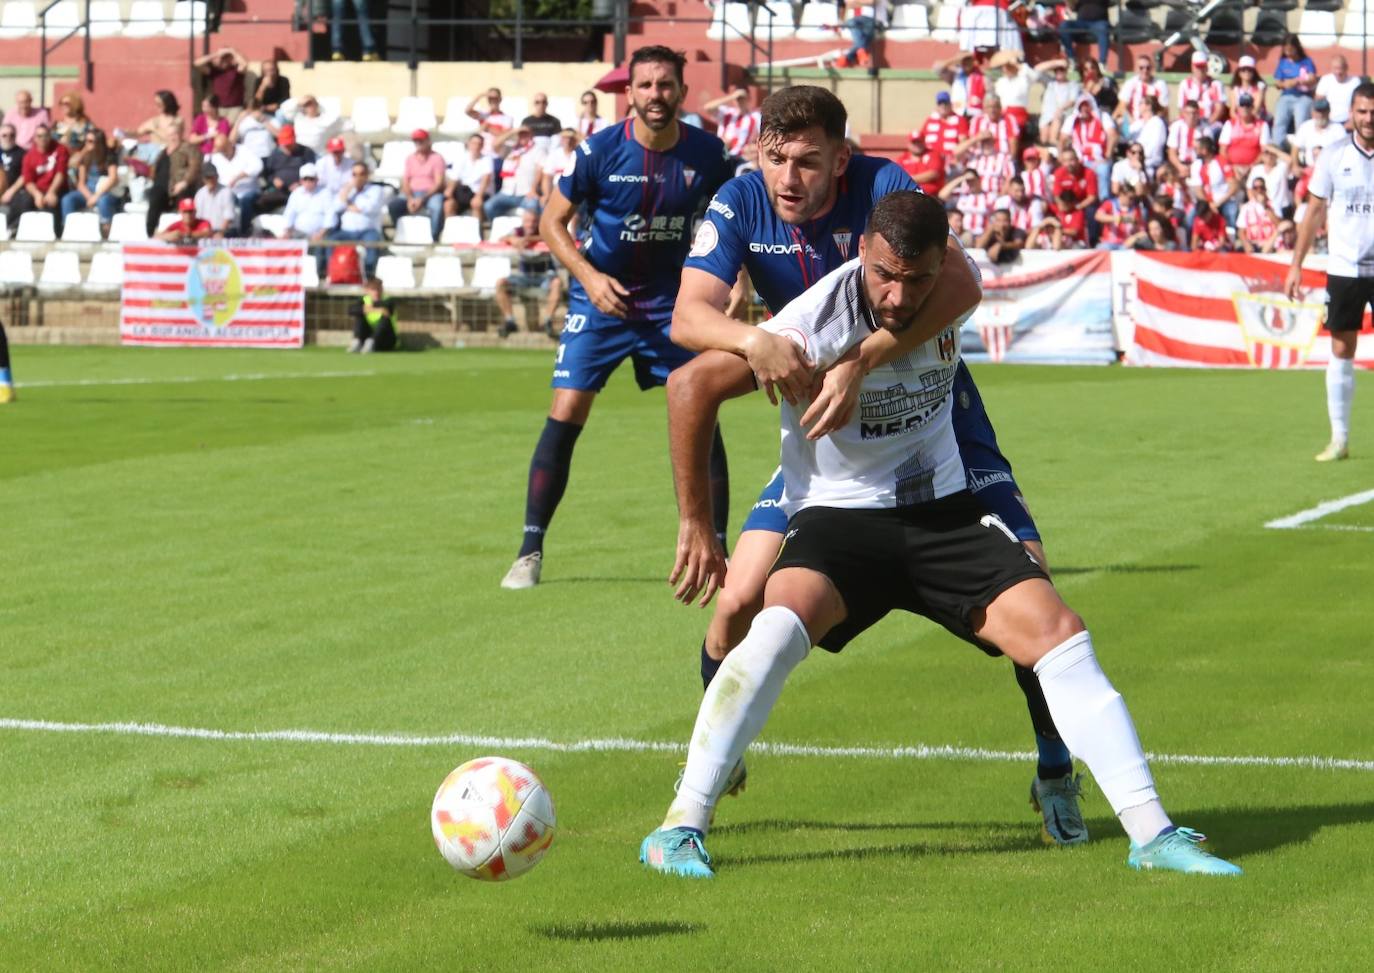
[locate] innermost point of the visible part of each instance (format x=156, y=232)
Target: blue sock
x=709, y=666
x=1055, y=759
x=5, y=377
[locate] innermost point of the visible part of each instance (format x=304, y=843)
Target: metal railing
x=83, y=28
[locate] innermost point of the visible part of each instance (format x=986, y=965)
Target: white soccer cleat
x=524, y=573
x=1334, y=450
x=356, y=347
x=367, y=347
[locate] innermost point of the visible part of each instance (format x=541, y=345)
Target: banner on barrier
x=1044, y=307
x=218, y=293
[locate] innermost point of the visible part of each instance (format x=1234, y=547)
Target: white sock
x=734, y=710
x=1096, y=727
x=1340, y=392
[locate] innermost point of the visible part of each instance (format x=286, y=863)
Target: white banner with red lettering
x=1046, y=307
x=1223, y=310
x=218, y=293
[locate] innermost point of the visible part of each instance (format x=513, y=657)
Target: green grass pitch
x=316, y=544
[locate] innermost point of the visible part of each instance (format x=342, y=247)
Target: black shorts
x=1346, y=299
x=943, y=560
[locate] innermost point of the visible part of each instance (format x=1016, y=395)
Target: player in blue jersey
x=642, y=180
x=788, y=225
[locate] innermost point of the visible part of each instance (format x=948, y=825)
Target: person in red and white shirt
x=966, y=191
x=925, y=166
x=1025, y=210
x=492, y=122
x=1257, y=228
x=1183, y=135
x=1209, y=229
x=1206, y=91
x=1077, y=179
x=1066, y=226
x=1215, y=181
x=945, y=129
x=970, y=86
x=588, y=122
x=1120, y=218
x=1130, y=106
x=1273, y=168
x=1038, y=174
x=736, y=125
x=1092, y=135
x=1244, y=136
x=1246, y=80
x=996, y=129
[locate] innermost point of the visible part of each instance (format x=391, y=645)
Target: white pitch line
x=186, y=379
x=625, y=745
x=1324, y=509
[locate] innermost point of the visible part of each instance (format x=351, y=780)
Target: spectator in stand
x=956, y=228
x=1082, y=186
x=422, y=184
x=1038, y=173
x=335, y=165
x=1183, y=135
x=1246, y=81
x=1091, y=134
x=364, y=24
x=469, y=180
x=863, y=22
x=1172, y=190
x=1202, y=88
x=1120, y=218
x=736, y=125
x=208, y=124
x=225, y=74
x=26, y=119
x=1209, y=229
x=925, y=166
x=1026, y=212
x=1095, y=82
x=1136, y=95
x=357, y=216
x=1296, y=79
x=557, y=158
x=309, y=214
x=1152, y=133
x=1215, y=181
x=1337, y=89
x=282, y=170
x=272, y=89
x=996, y=130
x=967, y=193
x=1273, y=168
x=374, y=321
x=71, y=130
x=11, y=170
x=492, y=122
x=534, y=272
x=588, y=122
x=1002, y=241
x=1067, y=222
x=216, y=204
x=1059, y=91
x=1159, y=235
x=970, y=86
x=187, y=228
x=1287, y=241
x=540, y=122
x=238, y=168
x=1014, y=85
x=1129, y=173
x=176, y=175
x=944, y=130
x=1257, y=228
x=1090, y=17
x=519, y=176
x=313, y=125
x=1319, y=131
x=1243, y=136
x=253, y=130
x=97, y=179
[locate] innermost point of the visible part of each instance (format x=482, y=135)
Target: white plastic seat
x=1317, y=28
x=461, y=231
x=729, y=21
x=442, y=274
x=517, y=107
x=146, y=19
x=451, y=152
x=188, y=18
x=273, y=224
x=414, y=231
x=415, y=113
x=63, y=17
x=106, y=19
x=166, y=220
x=81, y=228
x=456, y=120
x=16, y=267
x=4, y=227
x=370, y=114
x=36, y=227
x=18, y=19
x=106, y=271
x=910, y=22
x=783, y=23
x=563, y=108
x=488, y=270
x=396, y=273
x=1359, y=20
x=330, y=105
x=310, y=271
x=502, y=227
x=61, y=268
x=393, y=163
x=817, y=23
x=128, y=228
x=946, y=23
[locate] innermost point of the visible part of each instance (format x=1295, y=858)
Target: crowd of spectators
x=1206, y=164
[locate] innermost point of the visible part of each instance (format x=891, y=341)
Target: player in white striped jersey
x=1342, y=194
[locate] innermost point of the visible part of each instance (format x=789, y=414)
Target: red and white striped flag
x=218, y=293
x=997, y=337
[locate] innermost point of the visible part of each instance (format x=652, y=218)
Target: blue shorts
x=989, y=472
x=593, y=344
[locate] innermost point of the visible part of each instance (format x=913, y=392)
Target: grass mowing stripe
x=187, y=379
x=918, y=751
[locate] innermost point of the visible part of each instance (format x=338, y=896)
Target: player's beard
x=657, y=123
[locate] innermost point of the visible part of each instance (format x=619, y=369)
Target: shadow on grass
x=1252, y=831
x=594, y=932
x=1128, y=569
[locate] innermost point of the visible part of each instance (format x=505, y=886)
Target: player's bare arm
x=695, y=393
x=603, y=290
x=1313, y=220
x=701, y=324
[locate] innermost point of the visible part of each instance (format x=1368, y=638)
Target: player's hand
x=607, y=293
x=835, y=398
x=1292, y=286
x=700, y=564
x=779, y=366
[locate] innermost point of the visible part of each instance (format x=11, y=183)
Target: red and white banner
x=1224, y=310
x=1043, y=307
x=219, y=293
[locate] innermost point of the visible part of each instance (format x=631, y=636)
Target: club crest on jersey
x=843, y=238
x=688, y=174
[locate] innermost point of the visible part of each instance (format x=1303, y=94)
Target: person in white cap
x=309, y=212
x=1246, y=81
x=1206, y=90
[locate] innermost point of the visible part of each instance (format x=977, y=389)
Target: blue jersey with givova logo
x=742, y=230
x=642, y=203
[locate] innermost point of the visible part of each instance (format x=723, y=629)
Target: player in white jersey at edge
x=1342, y=194
x=880, y=518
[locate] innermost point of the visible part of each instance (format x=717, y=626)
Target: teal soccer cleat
x=1180, y=850
x=676, y=851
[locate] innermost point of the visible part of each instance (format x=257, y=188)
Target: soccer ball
x=492, y=819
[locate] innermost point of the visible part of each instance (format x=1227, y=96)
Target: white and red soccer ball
x=492, y=819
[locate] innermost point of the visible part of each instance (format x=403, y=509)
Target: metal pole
x=621, y=28
x=86, y=50
x=519, y=61
x=43, y=58
x=414, y=61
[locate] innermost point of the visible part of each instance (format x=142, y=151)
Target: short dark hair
x=658, y=54
x=1365, y=89
x=788, y=111
x=1205, y=141
x=373, y=284
x=911, y=222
